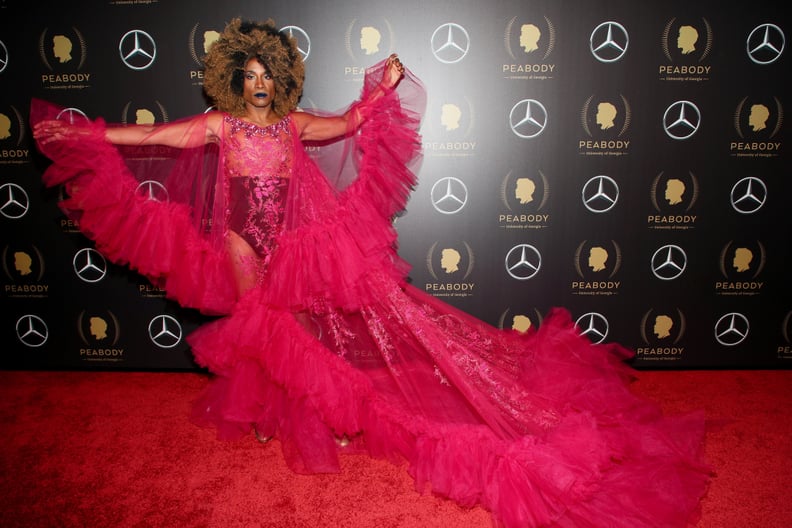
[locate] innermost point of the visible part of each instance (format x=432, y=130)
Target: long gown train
x=540, y=428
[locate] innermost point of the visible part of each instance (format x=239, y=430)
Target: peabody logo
x=144, y=114
x=13, y=132
x=785, y=350
x=368, y=39
x=100, y=333
x=741, y=264
x=449, y=195
x=662, y=332
x=673, y=197
x=137, y=49
x=28, y=265
x=606, y=122
x=765, y=44
x=691, y=44
x=597, y=265
x=524, y=197
x=600, y=194
x=748, y=195
x=606, y=117
x=523, y=262
x=529, y=45
x=520, y=321
x=609, y=42
x=14, y=201
x=757, y=122
x=594, y=326
x=89, y=265
x=452, y=122
x=32, y=331
x=63, y=48
x=450, y=43
x=669, y=262
x=528, y=118
x=165, y=331
x=455, y=264
x=681, y=120
x=200, y=40
x=732, y=329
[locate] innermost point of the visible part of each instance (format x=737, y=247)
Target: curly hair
x=241, y=41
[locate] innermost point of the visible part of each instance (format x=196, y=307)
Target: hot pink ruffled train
x=539, y=428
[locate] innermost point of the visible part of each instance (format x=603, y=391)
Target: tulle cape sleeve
x=342, y=202
x=148, y=207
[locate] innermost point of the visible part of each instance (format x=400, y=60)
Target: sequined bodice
x=258, y=163
x=253, y=150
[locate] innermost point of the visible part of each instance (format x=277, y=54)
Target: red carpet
x=116, y=449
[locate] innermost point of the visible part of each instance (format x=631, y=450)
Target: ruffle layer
x=128, y=227
x=611, y=460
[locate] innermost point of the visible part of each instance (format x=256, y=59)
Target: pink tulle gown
x=331, y=342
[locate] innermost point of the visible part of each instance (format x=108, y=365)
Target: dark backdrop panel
x=625, y=160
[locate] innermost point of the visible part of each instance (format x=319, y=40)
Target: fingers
x=393, y=61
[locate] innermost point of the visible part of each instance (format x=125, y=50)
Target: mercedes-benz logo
x=137, y=49
x=14, y=201
x=153, y=190
x=3, y=56
x=681, y=120
x=669, y=262
x=165, y=331
x=528, y=118
x=450, y=43
x=31, y=330
x=72, y=115
x=302, y=38
x=523, y=262
x=748, y=195
x=449, y=195
x=609, y=42
x=594, y=326
x=765, y=43
x=600, y=194
x=89, y=265
x=732, y=329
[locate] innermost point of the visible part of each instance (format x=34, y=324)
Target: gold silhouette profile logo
x=144, y=116
x=370, y=38
x=662, y=326
x=22, y=263
x=5, y=127
x=757, y=119
x=686, y=39
x=524, y=190
x=598, y=256
x=62, y=48
x=529, y=37
x=674, y=191
x=98, y=328
x=606, y=113
x=209, y=38
x=742, y=259
x=449, y=260
x=450, y=114
x=521, y=323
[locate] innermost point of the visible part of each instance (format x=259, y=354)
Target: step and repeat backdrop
x=628, y=161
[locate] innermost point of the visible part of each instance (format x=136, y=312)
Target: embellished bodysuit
x=258, y=164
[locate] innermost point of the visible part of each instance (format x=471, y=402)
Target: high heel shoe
x=260, y=437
